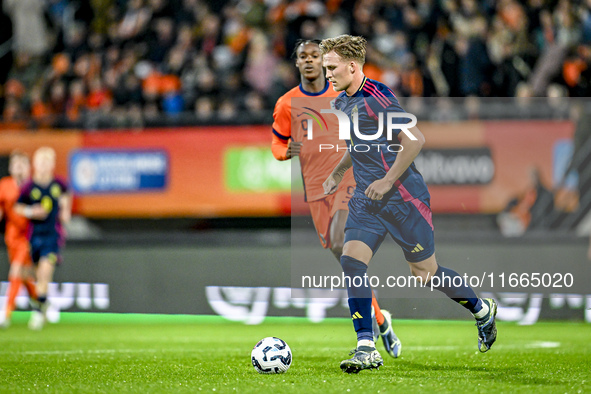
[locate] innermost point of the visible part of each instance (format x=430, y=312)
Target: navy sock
x=462, y=294
x=359, y=293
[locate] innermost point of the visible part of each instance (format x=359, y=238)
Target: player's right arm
x=25, y=207
x=409, y=151
x=283, y=147
x=35, y=211
x=332, y=182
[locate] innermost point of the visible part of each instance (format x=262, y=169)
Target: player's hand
x=293, y=148
x=331, y=183
x=378, y=188
x=38, y=212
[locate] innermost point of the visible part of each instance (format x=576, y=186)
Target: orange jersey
x=294, y=113
x=16, y=226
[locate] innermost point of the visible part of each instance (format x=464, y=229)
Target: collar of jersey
x=315, y=94
x=358, y=93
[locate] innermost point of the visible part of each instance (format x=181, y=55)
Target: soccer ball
x=271, y=355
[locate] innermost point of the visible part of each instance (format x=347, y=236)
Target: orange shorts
x=19, y=251
x=323, y=210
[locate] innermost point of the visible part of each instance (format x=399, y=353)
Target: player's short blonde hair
x=45, y=151
x=346, y=46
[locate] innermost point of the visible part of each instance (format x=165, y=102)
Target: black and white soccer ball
x=271, y=355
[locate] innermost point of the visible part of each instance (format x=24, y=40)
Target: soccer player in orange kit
x=17, y=242
x=329, y=213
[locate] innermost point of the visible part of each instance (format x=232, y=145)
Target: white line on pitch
x=531, y=345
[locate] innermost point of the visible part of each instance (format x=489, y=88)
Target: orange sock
x=377, y=310
x=31, y=289
x=15, y=285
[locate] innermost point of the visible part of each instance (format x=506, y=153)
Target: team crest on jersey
x=333, y=104
x=55, y=191
x=35, y=194
x=354, y=113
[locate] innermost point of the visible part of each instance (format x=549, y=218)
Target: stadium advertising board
x=196, y=173
x=473, y=166
x=254, y=169
x=169, y=279
x=94, y=171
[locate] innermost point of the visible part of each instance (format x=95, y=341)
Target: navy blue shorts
x=48, y=247
x=409, y=224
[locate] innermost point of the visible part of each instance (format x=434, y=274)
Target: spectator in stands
x=162, y=40
x=526, y=210
x=5, y=50
x=30, y=29
x=204, y=110
x=227, y=110
x=76, y=101
x=422, y=48
x=135, y=21
x=40, y=110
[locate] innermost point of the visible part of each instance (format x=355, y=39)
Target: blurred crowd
x=133, y=61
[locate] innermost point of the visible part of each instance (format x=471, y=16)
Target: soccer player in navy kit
x=391, y=198
x=46, y=232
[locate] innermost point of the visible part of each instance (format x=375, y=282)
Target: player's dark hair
x=303, y=41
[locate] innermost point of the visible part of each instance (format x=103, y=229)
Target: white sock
x=366, y=342
x=481, y=313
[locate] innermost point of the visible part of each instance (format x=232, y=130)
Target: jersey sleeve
x=62, y=184
x=380, y=99
x=281, y=128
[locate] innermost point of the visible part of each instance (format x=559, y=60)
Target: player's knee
x=15, y=271
x=357, y=250
x=337, y=249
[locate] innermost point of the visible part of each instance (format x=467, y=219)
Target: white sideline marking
x=543, y=345
x=531, y=345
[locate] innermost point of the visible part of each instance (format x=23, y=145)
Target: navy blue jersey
x=372, y=157
x=48, y=196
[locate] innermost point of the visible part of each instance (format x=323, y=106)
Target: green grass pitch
x=107, y=353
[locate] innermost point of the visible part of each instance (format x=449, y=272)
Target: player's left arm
x=65, y=202
x=410, y=150
x=25, y=207
x=283, y=146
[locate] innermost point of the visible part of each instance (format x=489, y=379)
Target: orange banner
x=516, y=147
x=471, y=167
x=196, y=175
